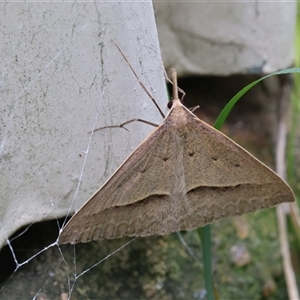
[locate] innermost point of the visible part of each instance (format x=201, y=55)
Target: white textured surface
x=223, y=37
x=60, y=76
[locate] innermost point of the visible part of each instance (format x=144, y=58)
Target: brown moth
x=184, y=175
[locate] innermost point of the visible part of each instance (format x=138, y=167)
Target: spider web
x=119, y=269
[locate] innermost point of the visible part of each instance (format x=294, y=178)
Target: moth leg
x=122, y=125
x=192, y=109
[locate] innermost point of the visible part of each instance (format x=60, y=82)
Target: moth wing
x=181, y=177
x=223, y=179
x=145, y=175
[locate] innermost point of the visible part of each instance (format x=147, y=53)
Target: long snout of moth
x=171, y=82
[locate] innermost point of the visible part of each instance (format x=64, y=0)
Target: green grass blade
x=227, y=109
x=205, y=237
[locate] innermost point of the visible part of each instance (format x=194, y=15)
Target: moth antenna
x=139, y=81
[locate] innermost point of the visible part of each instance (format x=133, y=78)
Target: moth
x=184, y=175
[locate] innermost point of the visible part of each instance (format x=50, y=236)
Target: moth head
x=170, y=103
